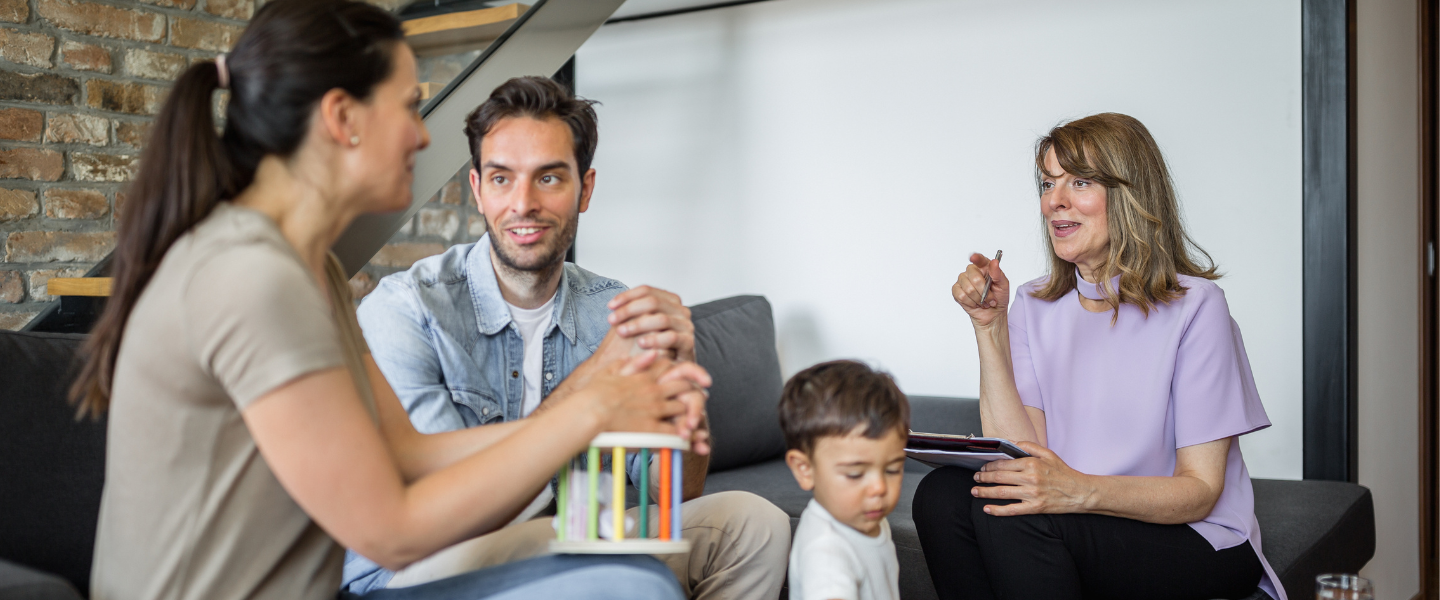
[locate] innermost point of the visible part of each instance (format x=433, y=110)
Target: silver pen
x=985, y=293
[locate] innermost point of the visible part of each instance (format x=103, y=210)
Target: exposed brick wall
x=80, y=82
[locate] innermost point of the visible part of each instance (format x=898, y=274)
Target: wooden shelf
x=78, y=286
x=460, y=31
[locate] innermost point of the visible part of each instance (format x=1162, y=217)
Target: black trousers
x=976, y=556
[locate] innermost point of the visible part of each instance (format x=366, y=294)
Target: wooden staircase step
x=78, y=286
x=457, y=32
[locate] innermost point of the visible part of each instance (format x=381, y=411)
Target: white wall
x=1388, y=232
x=843, y=157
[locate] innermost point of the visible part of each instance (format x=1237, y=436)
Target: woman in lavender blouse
x=1123, y=375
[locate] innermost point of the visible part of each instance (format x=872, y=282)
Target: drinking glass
x=1343, y=586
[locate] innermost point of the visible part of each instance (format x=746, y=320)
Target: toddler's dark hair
x=833, y=398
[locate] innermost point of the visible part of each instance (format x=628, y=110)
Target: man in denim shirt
x=482, y=333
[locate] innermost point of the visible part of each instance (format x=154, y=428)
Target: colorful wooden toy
x=570, y=539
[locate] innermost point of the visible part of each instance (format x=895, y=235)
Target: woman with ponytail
x=250, y=432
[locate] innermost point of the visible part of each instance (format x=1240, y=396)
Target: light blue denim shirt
x=442, y=335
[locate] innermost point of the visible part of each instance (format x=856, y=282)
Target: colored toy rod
x=617, y=490
x=564, y=500
x=644, y=493
x=592, y=467
x=676, y=479
x=665, y=493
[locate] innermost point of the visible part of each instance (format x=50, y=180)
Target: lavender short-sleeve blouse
x=1120, y=399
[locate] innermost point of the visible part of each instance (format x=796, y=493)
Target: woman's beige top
x=191, y=510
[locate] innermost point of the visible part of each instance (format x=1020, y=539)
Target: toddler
x=845, y=429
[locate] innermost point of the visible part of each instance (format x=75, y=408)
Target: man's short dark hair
x=833, y=398
x=538, y=98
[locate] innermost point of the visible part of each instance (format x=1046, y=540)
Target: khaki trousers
x=739, y=548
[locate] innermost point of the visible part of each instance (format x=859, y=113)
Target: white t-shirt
x=533, y=324
x=830, y=560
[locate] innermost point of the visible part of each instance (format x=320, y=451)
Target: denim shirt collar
x=492, y=313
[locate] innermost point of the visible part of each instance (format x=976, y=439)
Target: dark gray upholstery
x=24, y=583
x=52, y=466
x=735, y=341
x=1312, y=527
x=933, y=414
x=1307, y=527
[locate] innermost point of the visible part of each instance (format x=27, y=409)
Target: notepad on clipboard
x=970, y=452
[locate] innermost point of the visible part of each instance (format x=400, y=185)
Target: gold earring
x=354, y=140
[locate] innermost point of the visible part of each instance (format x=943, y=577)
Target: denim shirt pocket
x=482, y=408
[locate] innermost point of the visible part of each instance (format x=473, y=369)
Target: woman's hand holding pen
x=971, y=287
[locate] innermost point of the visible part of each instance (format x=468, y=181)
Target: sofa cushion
x=935, y=414
x=23, y=583
x=52, y=466
x=735, y=342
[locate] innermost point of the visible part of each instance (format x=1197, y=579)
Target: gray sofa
x=52, y=466
x=1308, y=527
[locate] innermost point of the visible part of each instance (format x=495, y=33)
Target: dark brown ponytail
x=291, y=54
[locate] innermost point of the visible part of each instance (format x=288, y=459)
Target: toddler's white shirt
x=830, y=560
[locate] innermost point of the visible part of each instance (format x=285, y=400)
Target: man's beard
x=548, y=258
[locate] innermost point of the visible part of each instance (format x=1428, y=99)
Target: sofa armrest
x=18, y=582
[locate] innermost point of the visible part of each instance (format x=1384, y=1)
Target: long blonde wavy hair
x=1149, y=248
